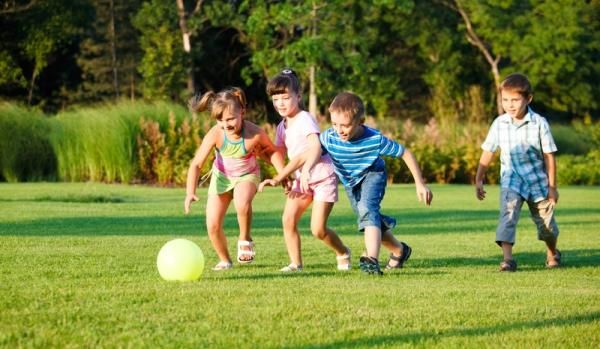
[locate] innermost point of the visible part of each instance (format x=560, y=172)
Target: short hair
x=285, y=82
x=517, y=82
x=349, y=104
x=232, y=99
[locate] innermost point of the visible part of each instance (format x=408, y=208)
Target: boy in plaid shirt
x=527, y=170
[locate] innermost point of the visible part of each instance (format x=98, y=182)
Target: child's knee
x=319, y=232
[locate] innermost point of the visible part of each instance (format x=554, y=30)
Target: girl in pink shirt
x=298, y=133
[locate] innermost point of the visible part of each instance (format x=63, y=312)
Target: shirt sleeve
x=388, y=147
x=547, y=141
x=280, y=135
x=323, y=140
x=491, y=141
x=308, y=125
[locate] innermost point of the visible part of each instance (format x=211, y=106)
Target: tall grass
x=99, y=144
x=25, y=150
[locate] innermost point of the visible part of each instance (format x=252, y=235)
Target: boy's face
x=514, y=103
x=345, y=126
x=286, y=104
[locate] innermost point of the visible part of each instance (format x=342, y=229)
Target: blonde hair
x=232, y=99
x=518, y=83
x=349, y=104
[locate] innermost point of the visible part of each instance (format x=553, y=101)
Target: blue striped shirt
x=352, y=159
x=522, y=148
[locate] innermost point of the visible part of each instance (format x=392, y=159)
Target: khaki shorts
x=542, y=214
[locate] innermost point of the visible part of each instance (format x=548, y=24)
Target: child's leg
x=216, y=207
x=510, y=210
x=295, y=206
x=372, y=241
x=542, y=214
x=243, y=194
x=318, y=226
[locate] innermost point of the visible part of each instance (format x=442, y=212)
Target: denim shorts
x=365, y=199
x=542, y=214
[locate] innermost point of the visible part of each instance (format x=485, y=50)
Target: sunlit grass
x=77, y=269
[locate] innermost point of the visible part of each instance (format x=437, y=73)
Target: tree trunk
x=187, y=45
x=113, y=49
x=475, y=40
x=31, y=86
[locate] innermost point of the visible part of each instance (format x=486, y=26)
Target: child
x=299, y=133
x=527, y=170
x=356, y=152
x=235, y=171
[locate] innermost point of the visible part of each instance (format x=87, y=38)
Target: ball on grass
x=180, y=260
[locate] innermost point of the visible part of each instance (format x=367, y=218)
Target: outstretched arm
x=424, y=194
x=484, y=163
x=194, y=170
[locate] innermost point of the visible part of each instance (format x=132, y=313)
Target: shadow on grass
x=422, y=336
x=526, y=260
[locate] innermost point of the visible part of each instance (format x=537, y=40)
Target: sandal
x=508, y=265
x=370, y=265
x=344, y=257
x=292, y=268
x=555, y=259
x=222, y=265
x=241, y=252
x=406, y=252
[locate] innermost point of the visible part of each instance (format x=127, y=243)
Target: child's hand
x=479, y=192
x=424, y=194
x=304, y=177
x=188, y=202
x=553, y=195
x=271, y=182
x=287, y=186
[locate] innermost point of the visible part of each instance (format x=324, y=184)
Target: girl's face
x=231, y=121
x=514, y=103
x=286, y=104
x=345, y=126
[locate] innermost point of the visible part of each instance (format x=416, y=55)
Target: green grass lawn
x=78, y=269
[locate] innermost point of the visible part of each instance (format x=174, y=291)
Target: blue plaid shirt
x=522, y=148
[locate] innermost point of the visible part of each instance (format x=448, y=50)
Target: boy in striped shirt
x=356, y=151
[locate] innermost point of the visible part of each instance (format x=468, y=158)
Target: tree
x=163, y=62
x=110, y=52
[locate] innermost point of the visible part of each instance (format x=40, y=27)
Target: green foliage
x=164, y=157
x=584, y=170
x=99, y=144
x=25, y=150
x=163, y=63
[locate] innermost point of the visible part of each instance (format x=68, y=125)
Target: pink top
x=294, y=139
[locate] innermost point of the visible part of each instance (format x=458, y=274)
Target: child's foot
x=245, y=252
x=553, y=261
x=398, y=261
x=222, y=265
x=370, y=265
x=291, y=268
x=508, y=265
x=343, y=261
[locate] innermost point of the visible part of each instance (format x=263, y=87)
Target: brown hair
x=284, y=82
x=350, y=104
x=232, y=99
x=518, y=83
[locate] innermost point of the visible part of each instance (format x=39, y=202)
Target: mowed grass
x=78, y=269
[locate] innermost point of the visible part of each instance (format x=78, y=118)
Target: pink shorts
x=325, y=190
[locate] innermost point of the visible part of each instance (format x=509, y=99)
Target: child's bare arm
x=311, y=157
x=194, y=170
x=550, y=161
x=484, y=162
x=424, y=194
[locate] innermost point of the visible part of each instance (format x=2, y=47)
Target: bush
x=25, y=150
x=584, y=170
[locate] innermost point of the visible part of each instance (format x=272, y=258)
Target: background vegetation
x=94, y=88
